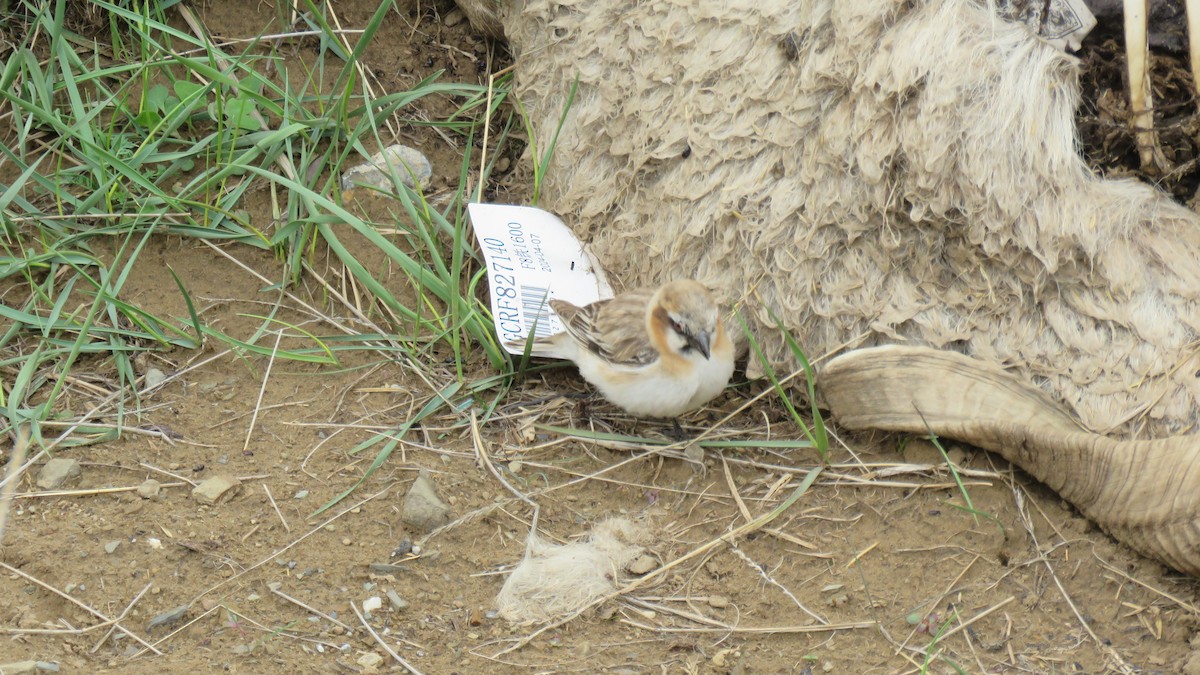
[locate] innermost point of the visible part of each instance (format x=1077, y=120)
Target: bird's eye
x=676, y=326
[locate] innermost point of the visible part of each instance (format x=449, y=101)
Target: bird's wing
x=614, y=330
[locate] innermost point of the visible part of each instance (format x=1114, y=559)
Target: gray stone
x=111, y=547
x=216, y=490
x=58, y=472
x=423, y=508
x=149, y=489
x=369, y=661
x=405, y=162
x=154, y=377
x=642, y=565
x=398, y=603
x=167, y=618
x=19, y=667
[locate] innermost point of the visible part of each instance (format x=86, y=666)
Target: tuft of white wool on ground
x=874, y=172
x=555, y=580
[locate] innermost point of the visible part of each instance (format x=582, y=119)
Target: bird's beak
x=701, y=341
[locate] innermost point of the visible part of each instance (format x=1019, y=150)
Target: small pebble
x=403, y=162
x=168, y=617
x=718, y=601
x=642, y=565
x=423, y=508
x=149, y=489
x=111, y=547
x=372, y=604
x=154, y=377
x=369, y=661
x=58, y=472
x=300, y=494
x=216, y=490
x=398, y=603
x=346, y=541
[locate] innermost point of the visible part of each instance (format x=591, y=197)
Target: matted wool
x=873, y=172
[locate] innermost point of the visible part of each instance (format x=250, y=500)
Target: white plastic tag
x=531, y=258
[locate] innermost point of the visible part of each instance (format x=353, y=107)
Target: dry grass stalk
x=107, y=621
x=1150, y=587
x=16, y=461
x=1141, y=100
x=704, y=549
x=1117, y=662
x=293, y=543
x=386, y=647
x=1193, y=31
x=124, y=613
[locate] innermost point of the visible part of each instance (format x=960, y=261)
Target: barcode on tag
x=535, y=310
x=531, y=258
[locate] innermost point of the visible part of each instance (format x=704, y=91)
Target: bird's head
x=687, y=314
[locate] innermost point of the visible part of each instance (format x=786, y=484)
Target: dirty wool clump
x=872, y=172
x=555, y=580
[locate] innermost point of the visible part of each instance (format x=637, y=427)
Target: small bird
x=653, y=353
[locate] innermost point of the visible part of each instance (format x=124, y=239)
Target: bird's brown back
x=614, y=330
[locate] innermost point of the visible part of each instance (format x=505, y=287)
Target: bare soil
x=878, y=540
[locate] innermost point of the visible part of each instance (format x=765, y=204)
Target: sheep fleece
x=871, y=172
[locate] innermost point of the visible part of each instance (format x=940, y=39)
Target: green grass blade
x=440, y=400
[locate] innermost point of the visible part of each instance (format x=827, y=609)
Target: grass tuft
x=816, y=434
x=160, y=129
